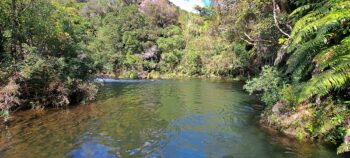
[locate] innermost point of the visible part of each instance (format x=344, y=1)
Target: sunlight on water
x=191, y=119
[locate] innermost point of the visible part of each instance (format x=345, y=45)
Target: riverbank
x=297, y=125
x=300, y=123
x=165, y=118
x=309, y=122
x=143, y=75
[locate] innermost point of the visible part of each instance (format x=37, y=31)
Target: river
x=165, y=118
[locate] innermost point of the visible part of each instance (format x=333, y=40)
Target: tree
x=160, y=12
x=52, y=67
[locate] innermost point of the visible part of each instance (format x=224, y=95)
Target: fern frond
x=308, y=41
x=325, y=82
x=303, y=55
x=302, y=10
x=333, y=55
x=321, y=26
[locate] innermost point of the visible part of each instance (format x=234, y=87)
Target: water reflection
x=193, y=118
x=92, y=147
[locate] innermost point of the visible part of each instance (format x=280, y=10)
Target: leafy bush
x=288, y=95
x=268, y=83
x=46, y=62
x=154, y=75
x=9, y=98
x=129, y=75
x=242, y=54
x=169, y=61
x=191, y=64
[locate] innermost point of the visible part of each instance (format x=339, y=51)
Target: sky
x=189, y=5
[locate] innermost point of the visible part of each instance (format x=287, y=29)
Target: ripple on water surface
x=184, y=118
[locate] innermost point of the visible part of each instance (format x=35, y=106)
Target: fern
x=303, y=55
x=334, y=67
x=315, y=32
x=312, y=16
x=322, y=84
x=301, y=11
x=333, y=55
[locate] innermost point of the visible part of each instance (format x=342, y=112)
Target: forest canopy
x=294, y=54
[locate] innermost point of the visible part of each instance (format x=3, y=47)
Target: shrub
x=9, y=98
x=268, y=83
x=154, y=75
x=129, y=75
x=288, y=94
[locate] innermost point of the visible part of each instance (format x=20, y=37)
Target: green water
x=170, y=119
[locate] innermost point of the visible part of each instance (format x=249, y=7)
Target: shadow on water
x=184, y=118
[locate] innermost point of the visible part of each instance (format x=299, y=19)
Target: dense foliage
x=306, y=47
x=44, y=59
x=52, y=50
x=297, y=52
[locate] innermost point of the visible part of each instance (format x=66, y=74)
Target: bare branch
x=248, y=36
x=251, y=43
x=255, y=42
x=276, y=21
x=289, y=27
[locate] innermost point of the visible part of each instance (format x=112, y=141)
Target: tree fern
x=320, y=26
x=334, y=67
x=317, y=31
x=333, y=55
x=323, y=83
x=303, y=55
x=311, y=16
x=311, y=23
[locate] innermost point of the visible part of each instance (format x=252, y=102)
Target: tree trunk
x=2, y=51
x=14, y=29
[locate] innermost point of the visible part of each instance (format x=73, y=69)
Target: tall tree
x=14, y=24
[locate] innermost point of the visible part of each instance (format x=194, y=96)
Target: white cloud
x=188, y=5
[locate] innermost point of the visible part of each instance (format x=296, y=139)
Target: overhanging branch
x=276, y=21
